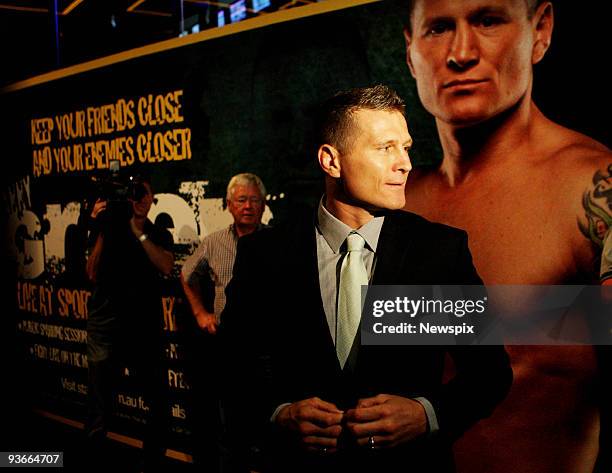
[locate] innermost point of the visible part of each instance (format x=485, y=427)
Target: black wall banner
x=192, y=112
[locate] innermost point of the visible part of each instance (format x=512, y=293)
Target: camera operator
x=128, y=258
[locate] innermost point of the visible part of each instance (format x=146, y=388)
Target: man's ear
x=329, y=160
x=543, y=21
x=408, y=39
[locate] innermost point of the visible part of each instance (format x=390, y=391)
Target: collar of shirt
x=335, y=232
x=232, y=229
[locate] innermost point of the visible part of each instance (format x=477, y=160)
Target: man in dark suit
x=323, y=404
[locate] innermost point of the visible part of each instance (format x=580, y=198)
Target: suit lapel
x=304, y=247
x=394, y=245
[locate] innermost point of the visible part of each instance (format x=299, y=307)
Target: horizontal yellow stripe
x=246, y=25
x=28, y=9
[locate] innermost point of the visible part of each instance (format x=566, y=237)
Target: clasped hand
x=389, y=419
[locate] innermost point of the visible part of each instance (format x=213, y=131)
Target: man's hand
x=206, y=321
x=161, y=258
x=390, y=420
x=316, y=422
x=99, y=206
x=137, y=226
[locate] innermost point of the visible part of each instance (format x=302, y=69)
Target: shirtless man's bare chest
x=522, y=230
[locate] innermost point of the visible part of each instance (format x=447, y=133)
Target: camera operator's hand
x=161, y=258
x=99, y=206
x=137, y=226
x=93, y=259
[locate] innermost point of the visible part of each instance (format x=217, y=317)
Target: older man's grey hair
x=245, y=179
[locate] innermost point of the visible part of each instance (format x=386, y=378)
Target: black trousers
x=111, y=345
x=205, y=412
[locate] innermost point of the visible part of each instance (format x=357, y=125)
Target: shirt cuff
x=277, y=410
x=432, y=419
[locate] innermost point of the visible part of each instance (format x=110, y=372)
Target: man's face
x=246, y=205
x=375, y=164
x=472, y=59
x=141, y=207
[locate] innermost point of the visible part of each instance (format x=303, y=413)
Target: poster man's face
x=472, y=59
x=375, y=165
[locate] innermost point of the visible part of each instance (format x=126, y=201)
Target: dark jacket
x=280, y=348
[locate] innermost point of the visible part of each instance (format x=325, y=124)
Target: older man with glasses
x=211, y=265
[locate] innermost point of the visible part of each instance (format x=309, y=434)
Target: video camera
x=118, y=190
x=114, y=187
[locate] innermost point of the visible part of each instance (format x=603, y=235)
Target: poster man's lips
x=463, y=82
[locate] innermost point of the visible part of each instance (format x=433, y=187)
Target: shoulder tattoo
x=605, y=270
x=597, y=205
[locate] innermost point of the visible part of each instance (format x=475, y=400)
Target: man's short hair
x=245, y=179
x=141, y=178
x=136, y=187
x=532, y=5
x=334, y=122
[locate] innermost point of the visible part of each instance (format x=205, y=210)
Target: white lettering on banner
x=54, y=239
x=25, y=244
x=59, y=332
x=72, y=386
x=57, y=355
x=178, y=411
x=16, y=197
x=189, y=217
x=132, y=401
x=176, y=379
x=184, y=229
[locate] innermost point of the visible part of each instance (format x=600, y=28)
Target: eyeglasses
x=252, y=200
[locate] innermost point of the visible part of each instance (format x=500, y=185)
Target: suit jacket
x=275, y=326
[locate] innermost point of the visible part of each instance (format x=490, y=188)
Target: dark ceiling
x=88, y=29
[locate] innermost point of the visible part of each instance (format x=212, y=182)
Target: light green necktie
x=352, y=276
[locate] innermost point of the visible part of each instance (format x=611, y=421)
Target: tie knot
x=354, y=242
